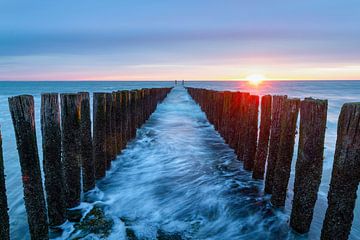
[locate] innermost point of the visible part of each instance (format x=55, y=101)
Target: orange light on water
x=255, y=79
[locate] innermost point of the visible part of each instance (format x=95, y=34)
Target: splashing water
x=178, y=178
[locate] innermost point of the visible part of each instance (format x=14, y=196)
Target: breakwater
x=235, y=116
x=70, y=161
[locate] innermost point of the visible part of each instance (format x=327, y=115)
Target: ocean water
x=178, y=176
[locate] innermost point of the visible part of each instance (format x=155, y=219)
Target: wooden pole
x=113, y=126
x=243, y=125
x=225, y=115
x=309, y=162
x=286, y=149
x=22, y=113
x=118, y=120
x=275, y=130
x=4, y=216
x=53, y=169
x=70, y=125
x=99, y=131
x=251, y=133
x=263, y=143
x=124, y=118
x=127, y=129
x=86, y=144
x=133, y=123
x=345, y=175
x=109, y=149
x=234, y=119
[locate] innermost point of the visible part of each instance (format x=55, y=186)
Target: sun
x=255, y=79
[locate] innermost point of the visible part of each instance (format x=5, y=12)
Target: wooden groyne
x=275, y=147
x=74, y=155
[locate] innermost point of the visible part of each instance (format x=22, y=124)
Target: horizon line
x=169, y=80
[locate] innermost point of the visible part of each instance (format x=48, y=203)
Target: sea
x=178, y=179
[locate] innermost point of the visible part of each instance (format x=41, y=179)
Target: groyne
x=275, y=146
x=74, y=155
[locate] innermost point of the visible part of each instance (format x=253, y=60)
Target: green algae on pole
x=289, y=117
x=22, y=113
x=70, y=125
x=86, y=144
x=4, y=216
x=309, y=162
x=345, y=175
x=251, y=132
x=274, y=143
x=263, y=143
x=53, y=169
x=99, y=134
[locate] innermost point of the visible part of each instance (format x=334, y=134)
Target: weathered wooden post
x=275, y=130
x=309, y=162
x=70, y=125
x=4, y=216
x=252, y=131
x=53, y=169
x=124, y=118
x=286, y=149
x=113, y=126
x=118, y=120
x=99, y=132
x=263, y=143
x=22, y=113
x=223, y=130
x=133, y=104
x=109, y=149
x=234, y=119
x=86, y=144
x=345, y=175
x=243, y=124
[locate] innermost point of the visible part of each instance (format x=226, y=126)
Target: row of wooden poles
x=73, y=156
x=235, y=116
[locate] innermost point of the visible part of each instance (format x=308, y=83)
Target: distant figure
x=183, y=82
x=175, y=82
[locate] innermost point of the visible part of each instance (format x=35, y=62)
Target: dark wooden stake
x=53, y=169
x=124, y=118
x=86, y=144
x=118, y=120
x=263, y=143
x=113, y=125
x=309, y=162
x=109, y=128
x=243, y=124
x=345, y=175
x=251, y=133
x=22, y=113
x=4, y=216
x=275, y=130
x=99, y=131
x=70, y=125
x=286, y=150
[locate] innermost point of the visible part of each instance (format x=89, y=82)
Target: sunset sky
x=187, y=39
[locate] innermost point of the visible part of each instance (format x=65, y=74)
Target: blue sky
x=159, y=40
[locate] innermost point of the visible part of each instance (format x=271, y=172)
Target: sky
x=173, y=39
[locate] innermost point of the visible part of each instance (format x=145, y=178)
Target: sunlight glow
x=255, y=79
